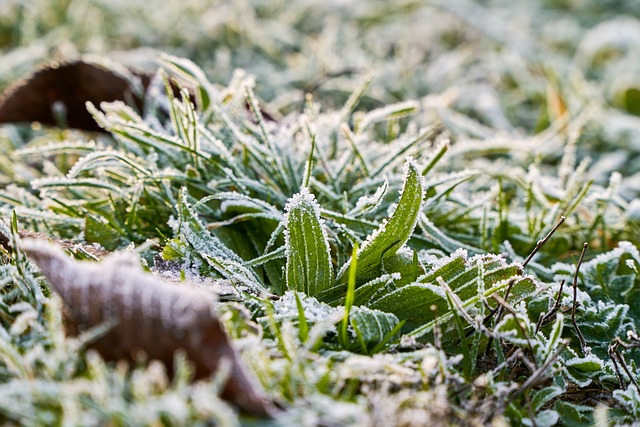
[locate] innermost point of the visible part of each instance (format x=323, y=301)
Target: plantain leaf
x=309, y=267
x=419, y=302
x=373, y=328
x=385, y=242
x=363, y=294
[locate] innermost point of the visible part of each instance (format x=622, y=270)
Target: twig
x=499, y=310
x=536, y=377
x=613, y=354
x=583, y=343
x=556, y=306
x=515, y=317
x=542, y=242
x=618, y=360
x=455, y=300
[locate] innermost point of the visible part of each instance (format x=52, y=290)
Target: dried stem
x=537, y=376
x=542, y=242
x=583, y=343
x=522, y=329
x=618, y=360
x=556, y=306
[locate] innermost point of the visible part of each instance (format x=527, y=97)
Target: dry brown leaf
x=148, y=314
x=69, y=86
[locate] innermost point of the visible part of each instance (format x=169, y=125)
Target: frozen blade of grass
x=396, y=231
x=184, y=120
x=191, y=229
x=354, y=147
x=389, y=112
x=308, y=167
x=99, y=159
x=237, y=272
x=232, y=199
x=445, y=242
x=56, y=148
x=216, y=146
x=435, y=157
x=134, y=130
x=205, y=91
x=369, y=203
x=58, y=182
x=309, y=267
x=287, y=174
x=354, y=98
x=398, y=154
x=269, y=256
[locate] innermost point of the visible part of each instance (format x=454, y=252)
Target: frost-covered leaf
x=309, y=267
x=610, y=277
x=237, y=272
x=373, y=328
x=56, y=95
x=189, y=228
x=582, y=370
x=547, y=418
x=390, y=112
x=573, y=415
x=142, y=312
x=187, y=69
x=393, y=233
x=468, y=279
x=543, y=396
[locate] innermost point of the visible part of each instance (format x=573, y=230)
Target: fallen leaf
x=147, y=314
x=57, y=94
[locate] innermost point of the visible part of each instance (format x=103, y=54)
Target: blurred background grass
x=486, y=68
x=515, y=82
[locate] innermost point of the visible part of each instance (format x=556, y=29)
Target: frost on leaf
x=144, y=314
x=309, y=267
x=394, y=232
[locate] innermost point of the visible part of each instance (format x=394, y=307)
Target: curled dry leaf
x=57, y=94
x=147, y=314
x=67, y=87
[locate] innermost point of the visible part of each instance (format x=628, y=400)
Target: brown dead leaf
x=67, y=87
x=149, y=315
